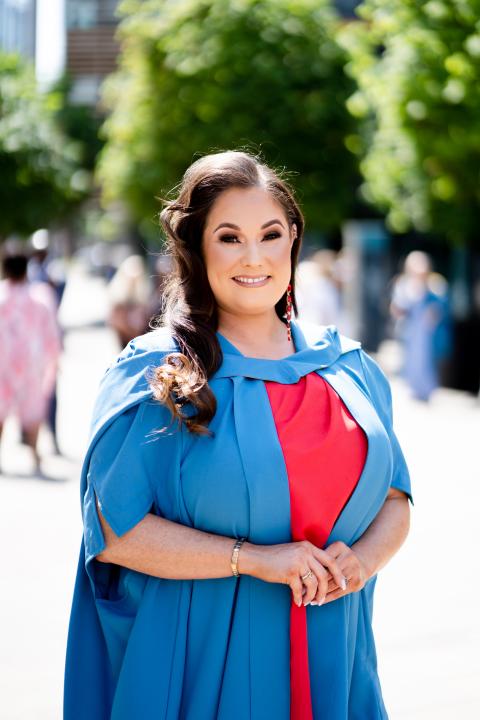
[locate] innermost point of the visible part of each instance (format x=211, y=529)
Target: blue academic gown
x=163, y=649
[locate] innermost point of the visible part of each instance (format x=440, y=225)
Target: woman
x=234, y=528
x=31, y=347
x=422, y=324
x=129, y=293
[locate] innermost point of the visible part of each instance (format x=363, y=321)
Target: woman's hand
x=353, y=568
x=287, y=562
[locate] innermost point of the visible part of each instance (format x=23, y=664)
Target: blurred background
x=373, y=108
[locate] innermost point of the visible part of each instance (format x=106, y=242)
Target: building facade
x=91, y=48
x=17, y=27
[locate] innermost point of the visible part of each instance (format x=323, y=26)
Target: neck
x=262, y=330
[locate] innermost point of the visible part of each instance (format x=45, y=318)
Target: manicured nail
x=299, y=603
x=306, y=603
x=313, y=603
x=321, y=601
x=344, y=583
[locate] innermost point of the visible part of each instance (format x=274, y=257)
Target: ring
x=307, y=575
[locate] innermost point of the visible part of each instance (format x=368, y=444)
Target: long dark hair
x=189, y=308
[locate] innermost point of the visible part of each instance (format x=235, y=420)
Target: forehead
x=245, y=206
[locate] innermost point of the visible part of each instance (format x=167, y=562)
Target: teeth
x=251, y=281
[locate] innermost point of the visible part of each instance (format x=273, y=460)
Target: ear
x=294, y=234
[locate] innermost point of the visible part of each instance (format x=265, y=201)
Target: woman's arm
x=166, y=549
x=386, y=534
x=380, y=541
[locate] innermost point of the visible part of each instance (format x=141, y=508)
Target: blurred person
x=422, y=323
x=443, y=336
x=31, y=346
x=129, y=294
x=318, y=295
x=49, y=277
x=233, y=523
x=44, y=268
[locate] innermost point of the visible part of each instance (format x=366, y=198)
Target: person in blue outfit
x=423, y=324
x=187, y=567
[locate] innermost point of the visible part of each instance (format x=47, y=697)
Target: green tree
x=199, y=76
x=417, y=65
x=38, y=164
x=79, y=122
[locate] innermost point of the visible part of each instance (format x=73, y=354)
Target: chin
x=251, y=308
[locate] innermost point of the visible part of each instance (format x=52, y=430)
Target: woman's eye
x=233, y=238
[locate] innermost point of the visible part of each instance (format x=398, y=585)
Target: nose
x=252, y=255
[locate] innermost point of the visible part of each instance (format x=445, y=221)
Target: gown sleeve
x=381, y=395
x=128, y=471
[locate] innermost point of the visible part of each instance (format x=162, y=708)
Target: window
x=83, y=14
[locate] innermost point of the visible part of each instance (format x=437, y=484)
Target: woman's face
x=246, y=248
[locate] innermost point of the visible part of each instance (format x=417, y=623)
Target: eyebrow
x=235, y=227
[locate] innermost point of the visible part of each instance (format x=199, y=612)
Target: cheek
x=280, y=258
x=217, y=260
x=218, y=263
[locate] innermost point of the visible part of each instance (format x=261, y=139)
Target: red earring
x=288, y=313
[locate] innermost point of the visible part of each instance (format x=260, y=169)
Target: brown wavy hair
x=188, y=307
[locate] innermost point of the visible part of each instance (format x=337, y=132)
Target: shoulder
x=42, y=295
x=157, y=342
x=348, y=356
x=125, y=383
x=316, y=335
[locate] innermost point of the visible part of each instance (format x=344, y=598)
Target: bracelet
x=234, y=560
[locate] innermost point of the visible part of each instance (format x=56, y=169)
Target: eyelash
x=223, y=237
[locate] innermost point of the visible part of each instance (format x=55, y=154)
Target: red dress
x=324, y=450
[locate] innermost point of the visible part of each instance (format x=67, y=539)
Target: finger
x=332, y=584
x=338, y=592
x=296, y=586
x=311, y=585
x=332, y=565
x=336, y=549
x=334, y=595
x=321, y=587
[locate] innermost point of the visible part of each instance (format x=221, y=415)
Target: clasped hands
x=288, y=562
x=353, y=569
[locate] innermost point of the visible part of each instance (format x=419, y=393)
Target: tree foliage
x=79, y=122
x=417, y=65
x=199, y=76
x=38, y=164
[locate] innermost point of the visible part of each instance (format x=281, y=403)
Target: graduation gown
x=157, y=648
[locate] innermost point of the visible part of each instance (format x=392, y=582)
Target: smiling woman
x=228, y=564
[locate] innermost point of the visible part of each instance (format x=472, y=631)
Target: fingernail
x=313, y=603
x=344, y=583
x=306, y=603
x=299, y=603
x=321, y=601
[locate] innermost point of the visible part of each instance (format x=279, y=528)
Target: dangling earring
x=288, y=313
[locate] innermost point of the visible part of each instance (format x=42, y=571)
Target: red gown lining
x=324, y=450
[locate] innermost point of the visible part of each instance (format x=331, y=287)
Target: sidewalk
x=425, y=616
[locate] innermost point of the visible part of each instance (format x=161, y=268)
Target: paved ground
x=426, y=606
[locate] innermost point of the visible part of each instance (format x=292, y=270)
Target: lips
x=251, y=280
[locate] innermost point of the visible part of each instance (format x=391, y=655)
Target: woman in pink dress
x=31, y=345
